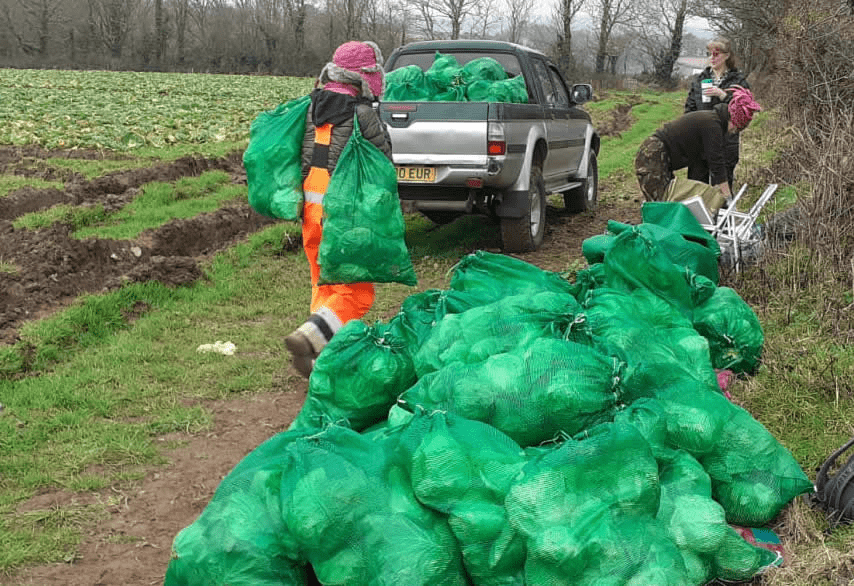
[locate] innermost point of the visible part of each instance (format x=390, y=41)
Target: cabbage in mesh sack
x=406, y=84
x=464, y=468
x=363, y=228
x=732, y=329
x=531, y=393
x=510, y=91
x=493, y=276
x=273, y=160
x=483, y=69
x=356, y=378
x=444, y=73
x=349, y=506
x=514, y=321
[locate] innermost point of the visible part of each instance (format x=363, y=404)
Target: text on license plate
x=416, y=174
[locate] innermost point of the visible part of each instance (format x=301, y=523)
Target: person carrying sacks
x=351, y=82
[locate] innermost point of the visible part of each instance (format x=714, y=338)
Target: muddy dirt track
x=131, y=547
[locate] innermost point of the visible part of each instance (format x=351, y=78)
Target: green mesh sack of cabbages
x=732, y=329
x=406, y=84
x=453, y=93
x=240, y=538
x=658, y=344
x=586, y=280
x=515, y=321
x=532, y=393
x=510, y=91
x=444, y=73
x=464, y=469
x=637, y=261
x=419, y=312
x=350, y=508
x=273, y=160
x=710, y=547
x=753, y=475
x=494, y=276
x=587, y=510
x=356, y=378
x=363, y=228
x=483, y=69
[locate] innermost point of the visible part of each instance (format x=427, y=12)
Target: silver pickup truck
x=496, y=158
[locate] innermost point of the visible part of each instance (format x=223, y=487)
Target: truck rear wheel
x=526, y=233
x=585, y=196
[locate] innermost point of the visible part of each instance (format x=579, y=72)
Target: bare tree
x=610, y=14
x=32, y=22
x=564, y=16
x=518, y=13
x=111, y=20
x=661, y=25
x=483, y=19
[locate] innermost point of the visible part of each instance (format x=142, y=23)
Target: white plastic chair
x=735, y=231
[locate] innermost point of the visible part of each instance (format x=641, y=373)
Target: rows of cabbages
x=518, y=429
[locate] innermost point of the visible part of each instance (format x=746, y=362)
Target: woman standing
x=721, y=76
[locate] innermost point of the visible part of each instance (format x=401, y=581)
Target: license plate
x=410, y=174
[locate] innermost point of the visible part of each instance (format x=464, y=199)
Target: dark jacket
x=697, y=139
x=694, y=102
x=337, y=109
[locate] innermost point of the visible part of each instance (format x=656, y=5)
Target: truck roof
x=466, y=44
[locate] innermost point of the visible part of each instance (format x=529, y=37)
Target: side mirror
x=582, y=92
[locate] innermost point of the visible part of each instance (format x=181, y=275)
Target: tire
x=586, y=196
x=526, y=234
x=441, y=218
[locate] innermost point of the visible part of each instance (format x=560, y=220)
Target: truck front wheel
x=585, y=196
x=526, y=233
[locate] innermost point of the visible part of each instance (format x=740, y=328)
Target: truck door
x=555, y=102
x=572, y=126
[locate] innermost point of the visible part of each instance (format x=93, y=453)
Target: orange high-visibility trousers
x=345, y=301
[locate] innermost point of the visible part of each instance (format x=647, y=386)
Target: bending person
x=694, y=139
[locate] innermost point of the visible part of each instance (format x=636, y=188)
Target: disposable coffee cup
x=704, y=85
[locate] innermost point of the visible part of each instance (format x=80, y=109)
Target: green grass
x=9, y=183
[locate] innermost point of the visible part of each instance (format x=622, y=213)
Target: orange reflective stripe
x=317, y=180
x=323, y=134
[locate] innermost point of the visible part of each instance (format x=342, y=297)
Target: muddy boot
x=306, y=342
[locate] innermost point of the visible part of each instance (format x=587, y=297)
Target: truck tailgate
x=436, y=133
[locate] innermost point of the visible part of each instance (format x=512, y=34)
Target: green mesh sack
x=273, y=160
x=464, y=469
x=240, y=538
x=356, y=378
x=444, y=73
x=363, y=228
x=586, y=280
x=419, y=312
x=753, y=475
x=510, y=91
x=483, y=69
x=686, y=242
x=532, y=393
x=586, y=527
x=453, y=93
x=515, y=321
x=350, y=507
x=493, y=276
x=732, y=329
x=657, y=344
x=637, y=261
x=406, y=84
x=710, y=547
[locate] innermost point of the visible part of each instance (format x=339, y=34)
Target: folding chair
x=705, y=216
x=735, y=231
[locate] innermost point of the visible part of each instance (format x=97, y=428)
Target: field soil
x=131, y=546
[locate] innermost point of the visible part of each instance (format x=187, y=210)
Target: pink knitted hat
x=356, y=69
x=742, y=107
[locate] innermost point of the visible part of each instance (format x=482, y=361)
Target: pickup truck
x=490, y=157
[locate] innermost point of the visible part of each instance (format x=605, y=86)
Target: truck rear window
x=424, y=60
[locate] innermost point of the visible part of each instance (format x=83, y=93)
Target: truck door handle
x=396, y=116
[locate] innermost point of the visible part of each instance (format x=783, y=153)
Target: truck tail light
x=496, y=142
x=474, y=182
x=496, y=147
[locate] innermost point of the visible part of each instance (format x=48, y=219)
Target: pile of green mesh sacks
x=480, y=80
x=518, y=428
